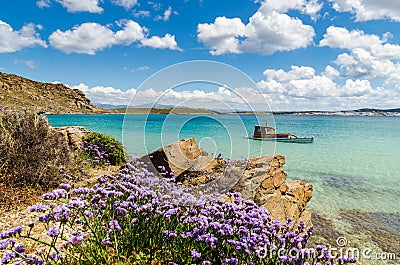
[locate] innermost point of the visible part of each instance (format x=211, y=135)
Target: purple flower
x=38, y=208
x=7, y=257
x=44, y=218
x=12, y=232
x=231, y=261
x=114, y=225
x=76, y=238
x=106, y=241
x=20, y=249
x=195, y=254
x=65, y=186
x=55, y=256
x=3, y=244
x=53, y=232
x=55, y=194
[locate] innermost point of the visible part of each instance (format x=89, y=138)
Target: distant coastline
x=203, y=111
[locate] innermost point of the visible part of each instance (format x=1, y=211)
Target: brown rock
x=73, y=135
x=176, y=157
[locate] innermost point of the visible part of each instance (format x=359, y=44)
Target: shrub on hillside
x=31, y=153
x=103, y=149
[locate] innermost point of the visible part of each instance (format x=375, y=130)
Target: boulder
x=73, y=135
x=176, y=157
x=264, y=182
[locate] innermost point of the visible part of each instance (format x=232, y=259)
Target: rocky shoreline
x=263, y=180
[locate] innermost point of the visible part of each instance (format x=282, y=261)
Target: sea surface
x=353, y=164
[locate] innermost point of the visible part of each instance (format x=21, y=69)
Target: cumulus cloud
x=15, y=40
x=222, y=36
x=166, y=42
x=127, y=4
x=269, y=30
x=106, y=95
x=221, y=97
x=89, y=38
x=369, y=55
x=301, y=88
x=167, y=13
x=310, y=7
x=91, y=6
x=366, y=10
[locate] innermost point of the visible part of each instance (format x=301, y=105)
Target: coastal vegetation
x=31, y=153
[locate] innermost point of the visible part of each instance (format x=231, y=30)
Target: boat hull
x=299, y=140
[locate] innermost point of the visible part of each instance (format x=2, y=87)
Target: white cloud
x=166, y=42
x=269, y=30
x=361, y=63
x=91, y=6
x=370, y=56
x=308, y=7
x=298, y=90
x=141, y=68
x=222, y=35
x=106, y=95
x=15, y=40
x=32, y=64
x=131, y=32
x=127, y=4
x=86, y=38
x=89, y=38
x=221, y=97
x=43, y=3
x=366, y=10
x=167, y=13
x=301, y=89
x=141, y=13
x=337, y=37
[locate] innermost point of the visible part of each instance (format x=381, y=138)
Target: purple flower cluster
x=95, y=153
x=139, y=212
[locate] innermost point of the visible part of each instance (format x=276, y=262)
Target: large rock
x=177, y=157
x=73, y=135
x=263, y=180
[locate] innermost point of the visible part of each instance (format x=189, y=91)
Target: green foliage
x=103, y=149
x=31, y=152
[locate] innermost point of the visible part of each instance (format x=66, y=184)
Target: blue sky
x=302, y=54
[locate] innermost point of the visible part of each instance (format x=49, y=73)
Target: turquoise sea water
x=353, y=163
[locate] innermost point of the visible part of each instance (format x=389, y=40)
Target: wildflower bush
x=31, y=153
x=103, y=149
x=136, y=217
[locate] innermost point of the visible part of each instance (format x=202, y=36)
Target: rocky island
x=22, y=94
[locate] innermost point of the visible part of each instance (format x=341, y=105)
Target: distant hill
x=166, y=111
x=378, y=110
x=22, y=94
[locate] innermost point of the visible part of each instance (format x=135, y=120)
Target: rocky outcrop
x=73, y=135
x=261, y=179
x=178, y=157
x=21, y=94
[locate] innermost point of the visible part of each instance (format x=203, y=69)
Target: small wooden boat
x=266, y=133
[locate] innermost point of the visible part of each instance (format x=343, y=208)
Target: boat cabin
x=269, y=132
x=263, y=131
